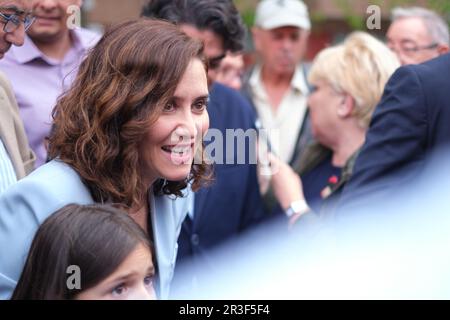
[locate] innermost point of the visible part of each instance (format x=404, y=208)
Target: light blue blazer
x=25, y=205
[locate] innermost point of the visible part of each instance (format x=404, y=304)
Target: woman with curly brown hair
x=128, y=133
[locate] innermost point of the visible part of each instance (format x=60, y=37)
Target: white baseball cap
x=271, y=14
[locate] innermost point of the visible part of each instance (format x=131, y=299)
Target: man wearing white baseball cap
x=277, y=85
x=272, y=14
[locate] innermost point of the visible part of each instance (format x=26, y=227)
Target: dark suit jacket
x=233, y=202
x=412, y=120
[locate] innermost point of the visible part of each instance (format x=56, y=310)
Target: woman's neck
x=141, y=212
x=141, y=216
x=349, y=141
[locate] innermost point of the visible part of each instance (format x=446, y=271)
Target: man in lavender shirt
x=45, y=66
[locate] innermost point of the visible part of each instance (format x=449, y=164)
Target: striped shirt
x=7, y=173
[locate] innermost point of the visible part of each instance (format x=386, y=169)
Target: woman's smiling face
x=169, y=146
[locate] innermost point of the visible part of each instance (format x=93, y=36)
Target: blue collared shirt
x=168, y=217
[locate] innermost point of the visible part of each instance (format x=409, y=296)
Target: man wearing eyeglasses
x=16, y=157
x=45, y=66
x=417, y=35
x=14, y=17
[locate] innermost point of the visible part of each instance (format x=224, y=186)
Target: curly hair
x=219, y=16
x=120, y=91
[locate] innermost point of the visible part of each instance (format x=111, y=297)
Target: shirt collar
x=299, y=81
x=29, y=51
x=255, y=77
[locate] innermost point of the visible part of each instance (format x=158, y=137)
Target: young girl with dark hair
x=89, y=253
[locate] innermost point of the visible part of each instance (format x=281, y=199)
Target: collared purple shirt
x=38, y=81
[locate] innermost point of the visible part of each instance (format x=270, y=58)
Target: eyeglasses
x=13, y=22
x=419, y=48
x=214, y=62
x=411, y=48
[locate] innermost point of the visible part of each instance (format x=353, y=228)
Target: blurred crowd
x=107, y=188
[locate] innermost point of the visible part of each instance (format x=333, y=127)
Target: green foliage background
x=356, y=20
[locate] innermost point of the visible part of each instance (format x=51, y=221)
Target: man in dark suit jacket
x=410, y=123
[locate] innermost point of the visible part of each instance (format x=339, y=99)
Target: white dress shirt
x=285, y=124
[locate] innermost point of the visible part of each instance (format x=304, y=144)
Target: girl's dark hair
x=94, y=238
x=120, y=91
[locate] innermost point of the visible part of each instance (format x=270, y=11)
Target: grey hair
x=435, y=24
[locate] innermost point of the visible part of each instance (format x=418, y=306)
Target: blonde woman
x=349, y=80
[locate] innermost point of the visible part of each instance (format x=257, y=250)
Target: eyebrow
x=151, y=270
x=204, y=97
x=14, y=8
x=407, y=40
x=130, y=275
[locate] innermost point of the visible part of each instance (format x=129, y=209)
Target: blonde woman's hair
x=360, y=66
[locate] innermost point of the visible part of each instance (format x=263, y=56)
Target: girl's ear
x=345, y=108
